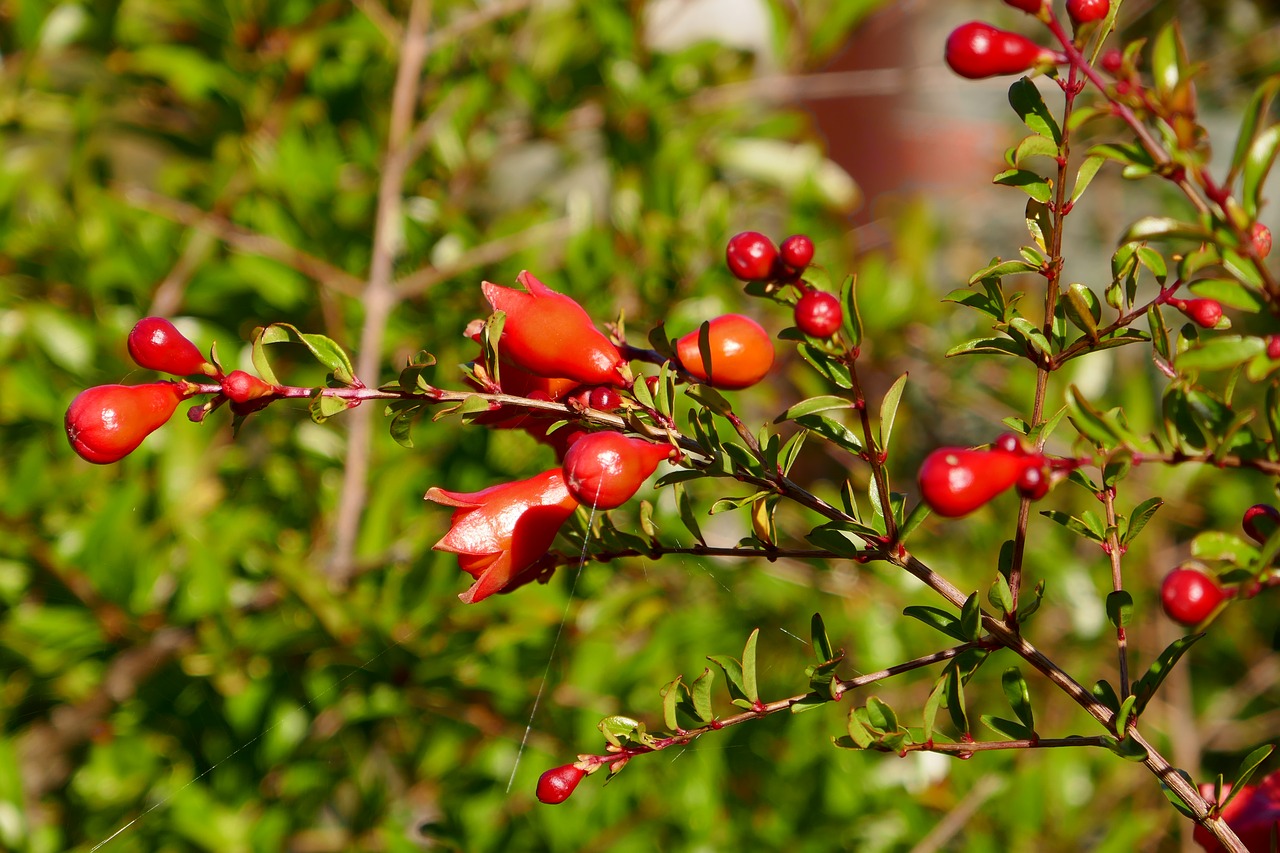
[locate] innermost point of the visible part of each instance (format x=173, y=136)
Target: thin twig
x=379, y=294
x=241, y=238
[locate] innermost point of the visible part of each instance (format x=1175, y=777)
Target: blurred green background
x=201, y=645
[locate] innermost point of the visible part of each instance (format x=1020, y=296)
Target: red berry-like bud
x=1112, y=60
x=741, y=352
x=1087, y=11
x=750, y=256
x=1032, y=483
x=1202, y=312
x=796, y=251
x=106, y=423
x=1189, y=596
x=604, y=469
x=976, y=50
x=1260, y=235
x=1031, y=7
x=604, y=398
x=954, y=481
x=818, y=314
x=1008, y=442
x=241, y=387
x=156, y=344
x=558, y=783
x=1273, y=346
x=1259, y=521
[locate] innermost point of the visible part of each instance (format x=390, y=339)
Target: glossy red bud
x=1031, y=7
x=1189, y=596
x=750, y=256
x=1087, y=11
x=976, y=50
x=1202, y=312
x=1260, y=236
x=1259, y=521
x=156, y=344
x=954, y=481
x=741, y=352
x=605, y=469
x=555, y=785
x=796, y=251
x=106, y=423
x=818, y=314
x=241, y=387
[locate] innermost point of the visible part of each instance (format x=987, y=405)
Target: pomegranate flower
x=499, y=533
x=1253, y=815
x=549, y=334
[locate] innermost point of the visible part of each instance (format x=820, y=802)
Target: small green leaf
x=749, y=667
x=1120, y=608
x=932, y=705
x=1106, y=694
x=1150, y=682
x=1126, y=713
x=1220, y=352
x=704, y=350
x=1029, y=182
x=852, y=317
x=1214, y=545
x=992, y=346
x=1007, y=728
x=1034, y=146
x=1128, y=749
x=1247, y=768
x=1229, y=292
x=813, y=405
x=938, y=619
x=618, y=728
x=325, y=351
x=880, y=715
x=999, y=269
x=685, y=506
x=1085, y=175
x=672, y=694
x=832, y=430
x=1163, y=228
x=858, y=732
x=700, y=693
x=1027, y=102
x=971, y=618
x=1138, y=519
x=889, y=409
x=1257, y=165
x=822, y=648
x=1000, y=595
x=1083, y=309
x=1175, y=798
x=1257, y=110
x=1019, y=696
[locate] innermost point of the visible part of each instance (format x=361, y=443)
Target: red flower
x=1252, y=814
x=499, y=533
x=549, y=334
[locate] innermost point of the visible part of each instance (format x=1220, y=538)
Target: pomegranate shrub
x=640, y=426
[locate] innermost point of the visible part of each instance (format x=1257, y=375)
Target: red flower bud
x=954, y=481
x=1031, y=7
x=500, y=532
x=818, y=314
x=604, y=469
x=1087, y=11
x=1189, y=596
x=106, y=423
x=1259, y=521
x=1252, y=815
x=549, y=334
x=796, y=251
x=558, y=783
x=241, y=387
x=154, y=343
x=977, y=50
x=1260, y=236
x=1202, y=312
x=741, y=352
x=750, y=256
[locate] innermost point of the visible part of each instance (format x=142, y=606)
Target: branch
x=241, y=238
x=379, y=294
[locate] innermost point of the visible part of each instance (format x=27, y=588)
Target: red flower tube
x=499, y=533
x=549, y=334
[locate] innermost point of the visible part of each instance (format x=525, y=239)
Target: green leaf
x=704, y=394
x=852, y=317
x=687, y=516
x=858, y=732
x=813, y=405
x=995, y=346
x=833, y=369
x=1000, y=595
x=1076, y=525
x=618, y=728
x=821, y=643
x=1229, y=292
x=672, y=695
x=1175, y=798
x=1126, y=713
x=889, y=410
x=325, y=351
x=1220, y=353
x=955, y=698
x=1128, y=749
x=1085, y=175
x=1247, y=768
x=1007, y=728
x=938, y=619
x=1214, y=545
x=1168, y=62
x=880, y=716
x=700, y=693
x=1027, y=102
x=971, y=618
x=749, y=667
x=832, y=430
x=1146, y=686
x=1257, y=110
x=1106, y=694
x=1083, y=309
x=1034, y=146
x=1029, y=182
x=732, y=670
x=1120, y=608
x=1019, y=696
x=1163, y=228
x=999, y=269
x=933, y=704
x=704, y=350
x=1257, y=164
x=1138, y=519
